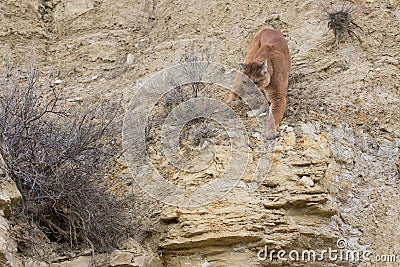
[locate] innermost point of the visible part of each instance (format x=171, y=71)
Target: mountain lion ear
x=264, y=65
x=242, y=66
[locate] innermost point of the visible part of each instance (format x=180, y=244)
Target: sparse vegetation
x=58, y=155
x=191, y=63
x=341, y=21
x=193, y=66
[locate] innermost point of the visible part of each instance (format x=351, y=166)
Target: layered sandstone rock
x=284, y=213
x=9, y=196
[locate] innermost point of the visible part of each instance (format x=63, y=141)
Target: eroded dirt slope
x=341, y=128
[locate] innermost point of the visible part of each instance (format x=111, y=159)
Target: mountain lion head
x=257, y=72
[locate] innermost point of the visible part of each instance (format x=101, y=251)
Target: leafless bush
x=341, y=20
x=58, y=156
x=194, y=65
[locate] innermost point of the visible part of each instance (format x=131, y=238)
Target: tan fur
x=267, y=64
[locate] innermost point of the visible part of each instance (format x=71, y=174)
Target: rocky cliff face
x=291, y=210
x=335, y=171
x=9, y=196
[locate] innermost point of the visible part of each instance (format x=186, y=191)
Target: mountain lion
x=267, y=64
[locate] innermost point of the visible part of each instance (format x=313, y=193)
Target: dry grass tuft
x=341, y=20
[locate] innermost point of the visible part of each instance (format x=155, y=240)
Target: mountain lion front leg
x=237, y=83
x=277, y=109
x=264, y=107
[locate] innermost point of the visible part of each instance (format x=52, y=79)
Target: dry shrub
x=341, y=20
x=58, y=156
x=193, y=64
